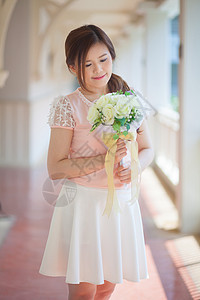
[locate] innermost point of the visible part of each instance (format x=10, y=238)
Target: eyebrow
x=98, y=57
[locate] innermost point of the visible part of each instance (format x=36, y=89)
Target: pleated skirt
x=84, y=245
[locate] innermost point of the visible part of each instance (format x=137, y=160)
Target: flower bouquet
x=118, y=110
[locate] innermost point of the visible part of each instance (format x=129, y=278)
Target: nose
x=97, y=68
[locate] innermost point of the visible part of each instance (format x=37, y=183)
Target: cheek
x=87, y=74
x=109, y=65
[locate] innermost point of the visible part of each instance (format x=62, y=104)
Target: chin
x=101, y=83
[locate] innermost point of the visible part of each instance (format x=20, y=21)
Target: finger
x=123, y=175
x=122, y=155
x=120, y=142
x=121, y=151
x=122, y=169
x=125, y=181
x=121, y=146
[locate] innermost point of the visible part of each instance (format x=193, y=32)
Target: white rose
x=123, y=108
x=102, y=101
x=133, y=101
x=93, y=114
x=109, y=114
x=114, y=99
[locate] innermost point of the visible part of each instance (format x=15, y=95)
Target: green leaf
x=122, y=121
x=127, y=126
x=125, y=133
x=116, y=125
x=133, y=110
x=119, y=92
x=133, y=92
x=93, y=128
x=115, y=136
x=95, y=125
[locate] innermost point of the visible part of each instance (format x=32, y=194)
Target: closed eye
x=102, y=60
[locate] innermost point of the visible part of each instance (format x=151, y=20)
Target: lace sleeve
x=60, y=114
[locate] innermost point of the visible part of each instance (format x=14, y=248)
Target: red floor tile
x=22, y=250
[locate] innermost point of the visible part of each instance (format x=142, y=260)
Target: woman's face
x=98, y=68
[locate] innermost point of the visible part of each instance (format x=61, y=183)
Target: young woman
x=93, y=251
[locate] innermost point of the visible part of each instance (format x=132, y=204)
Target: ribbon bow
x=109, y=166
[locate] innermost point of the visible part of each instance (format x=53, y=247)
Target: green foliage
x=117, y=125
x=115, y=136
x=133, y=92
x=122, y=121
x=95, y=125
x=125, y=133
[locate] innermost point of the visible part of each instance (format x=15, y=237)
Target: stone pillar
x=189, y=151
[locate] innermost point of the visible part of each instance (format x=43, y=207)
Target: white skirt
x=85, y=246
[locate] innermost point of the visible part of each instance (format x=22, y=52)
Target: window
x=174, y=61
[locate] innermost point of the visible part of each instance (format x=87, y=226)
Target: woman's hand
x=121, y=151
x=124, y=174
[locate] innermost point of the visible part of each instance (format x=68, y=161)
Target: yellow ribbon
x=109, y=166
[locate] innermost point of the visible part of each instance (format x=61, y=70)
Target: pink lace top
x=70, y=112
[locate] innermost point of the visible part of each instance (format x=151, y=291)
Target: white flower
x=102, y=101
x=109, y=114
x=123, y=107
x=133, y=101
x=93, y=114
x=114, y=99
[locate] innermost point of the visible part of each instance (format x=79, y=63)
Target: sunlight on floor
x=185, y=253
x=183, y=249
x=164, y=212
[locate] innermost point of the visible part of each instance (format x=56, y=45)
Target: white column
x=189, y=155
x=23, y=129
x=14, y=108
x=130, y=57
x=16, y=54
x=157, y=58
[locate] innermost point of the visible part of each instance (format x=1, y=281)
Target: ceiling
x=54, y=19
x=113, y=16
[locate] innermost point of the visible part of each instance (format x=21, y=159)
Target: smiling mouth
x=100, y=77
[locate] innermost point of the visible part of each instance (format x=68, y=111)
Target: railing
x=165, y=130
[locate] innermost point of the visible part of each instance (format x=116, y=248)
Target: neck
x=94, y=94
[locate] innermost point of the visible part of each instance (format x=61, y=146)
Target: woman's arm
x=58, y=164
x=145, y=147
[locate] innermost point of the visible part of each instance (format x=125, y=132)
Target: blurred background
x=157, y=44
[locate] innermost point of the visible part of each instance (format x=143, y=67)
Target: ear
x=73, y=69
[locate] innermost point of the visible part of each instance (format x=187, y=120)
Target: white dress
x=83, y=245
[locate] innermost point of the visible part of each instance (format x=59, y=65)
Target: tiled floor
x=173, y=258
